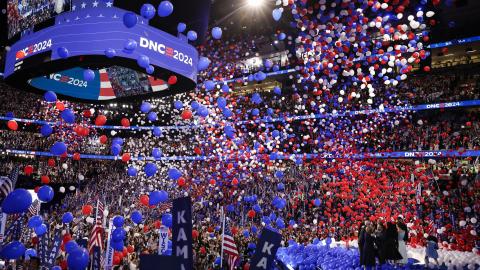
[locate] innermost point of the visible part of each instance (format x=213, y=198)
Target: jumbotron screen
x=23, y=15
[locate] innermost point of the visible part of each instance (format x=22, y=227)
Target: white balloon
x=62, y=189
x=65, y=166
x=81, y=177
x=71, y=188
x=473, y=220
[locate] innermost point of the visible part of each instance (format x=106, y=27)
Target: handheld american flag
x=229, y=247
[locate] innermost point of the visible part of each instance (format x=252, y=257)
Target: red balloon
x=246, y=266
x=60, y=106
x=251, y=213
x=146, y=228
x=116, y=260
x=28, y=170
x=181, y=181
x=130, y=249
x=426, y=68
x=51, y=162
x=125, y=157
x=125, y=251
x=186, y=114
x=103, y=139
x=197, y=150
x=87, y=114
x=36, y=189
x=212, y=182
x=76, y=156
x=87, y=210
x=12, y=124
x=101, y=120
x=45, y=179
x=235, y=181
x=157, y=224
x=125, y=122
x=172, y=79
x=67, y=237
x=194, y=234
x=144, y=199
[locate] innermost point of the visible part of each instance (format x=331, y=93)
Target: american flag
x=7, y=184
x=34, y=208
x=97, y=230
x=229, y=247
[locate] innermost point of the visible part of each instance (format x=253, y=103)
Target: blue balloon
x=279, y=174
x=78, y=259
x=157, y=132
x=45, y=193
x=67, y=217
x=203, y=63
x=225, y=88
x=317, y=202
x=147, y=11
x=181, y=27
x=116, y=149
x=150, y=69
x=246, y=233
x=282, y=36
x=277, y=14
x=255, y=112
x=217, y=261
x=56, y=267
x=143, y=61
x=130, y=19
x=221, y=102
x=277, y=90
x=118, y=221
x=117, y=140
x=174, y=173
x=195, y=105
x=68, y=116
x=165, y=8
x=145, y=107
x=209, y=85
x=13, y=250
x=217, y=33
x=132, y=171
x=35, y=221
x=130, y=45
x=118, y=234
x=110, y=53
x=30, y=253
x=178, y=104
x=192, y=35
x=260, y=76
x=156, y=153
x=70, y=246
x=203, y=111
x=17, y=201
x=50, y=96
x=58, y=148
x=63, y=52
x=41, y=230
x=150, y=169
x=117, y=245
x=136, y=217
x=280, y=186
x=167, y=220
x=152, y=116
x=46, y=130
x=154, y=197
x=88, y=75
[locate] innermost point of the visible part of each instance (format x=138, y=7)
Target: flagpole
x=223, y=237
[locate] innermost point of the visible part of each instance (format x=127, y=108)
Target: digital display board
x=36, y=61
x=23, y=15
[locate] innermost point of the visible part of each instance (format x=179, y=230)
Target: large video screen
x=109, y=83
x=23, y=15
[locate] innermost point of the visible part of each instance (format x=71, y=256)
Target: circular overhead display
x=86, y=53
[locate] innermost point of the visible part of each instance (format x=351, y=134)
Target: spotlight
x=255, y=3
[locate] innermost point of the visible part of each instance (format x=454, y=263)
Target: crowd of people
x=247, y=155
